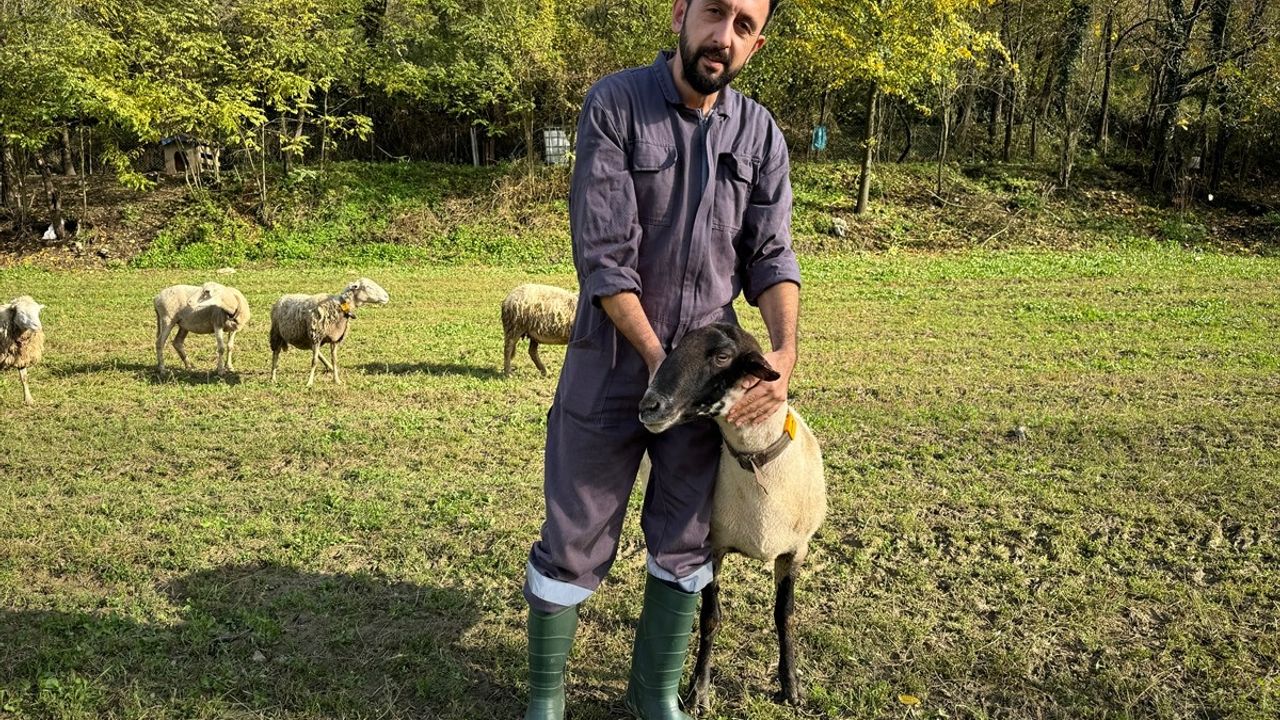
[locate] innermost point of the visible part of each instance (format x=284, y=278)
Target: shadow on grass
x=264, y=639
x=144, y=372
x=483, y=373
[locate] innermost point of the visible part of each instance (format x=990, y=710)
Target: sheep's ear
x=753, y=363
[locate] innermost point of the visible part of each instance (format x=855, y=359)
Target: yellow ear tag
x=346, y=307
x=789, y=426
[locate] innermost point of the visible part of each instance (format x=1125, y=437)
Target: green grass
x=197, y=548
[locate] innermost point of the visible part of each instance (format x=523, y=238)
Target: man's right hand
x=628, y=315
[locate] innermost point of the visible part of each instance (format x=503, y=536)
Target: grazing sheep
x=209, y=308
x=770, y=494
x=21, y=338
x=309, y=321
x=542, y=313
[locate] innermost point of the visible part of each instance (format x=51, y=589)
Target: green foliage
x=1184, y=231
x=369, y=214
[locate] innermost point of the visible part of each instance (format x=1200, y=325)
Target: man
x=680, y=199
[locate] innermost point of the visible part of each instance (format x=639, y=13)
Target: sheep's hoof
x=697, y=700
x=793, y=695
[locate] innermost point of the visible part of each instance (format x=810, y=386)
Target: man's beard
x=702, y=83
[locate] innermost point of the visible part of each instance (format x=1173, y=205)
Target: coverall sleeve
x=764, y=246
x=602, y=208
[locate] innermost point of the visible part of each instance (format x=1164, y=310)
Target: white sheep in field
x=202, y=309
x=542, y=313
x=310, y=321
x=21, y=338
x=770, y=494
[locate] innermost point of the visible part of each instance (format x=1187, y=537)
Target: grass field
x=194, y=547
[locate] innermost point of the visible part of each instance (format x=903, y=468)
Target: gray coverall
x=684, y=210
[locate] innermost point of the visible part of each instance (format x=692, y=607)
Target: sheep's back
x=298, y=318
x=169, y=301
x=542, y=312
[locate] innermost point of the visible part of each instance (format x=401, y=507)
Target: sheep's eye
x=723, y=358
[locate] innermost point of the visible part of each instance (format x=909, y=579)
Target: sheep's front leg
x=315, y=358
x=697, y=699
x=785, y=569
x=275, y=363
x=333, y=361
x=179, y=344
x=163, y=329
x=26, y=389
x=533, y=354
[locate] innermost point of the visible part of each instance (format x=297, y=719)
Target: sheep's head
x=365, y=292
x=26, y=314
x=700, y=377
x=235, y=320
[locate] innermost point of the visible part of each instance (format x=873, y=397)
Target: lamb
x=542, y=313
x=204, y=309
x=310, y=321
x=21, y=338
x=770, y=494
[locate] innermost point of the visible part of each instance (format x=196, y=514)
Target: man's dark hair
x=773, y=6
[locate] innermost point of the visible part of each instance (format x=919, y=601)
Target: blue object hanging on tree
x=820, y=138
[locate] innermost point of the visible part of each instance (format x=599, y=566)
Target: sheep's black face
x=698, y=377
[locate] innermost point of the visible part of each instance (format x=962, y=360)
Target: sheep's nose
x=653, y=406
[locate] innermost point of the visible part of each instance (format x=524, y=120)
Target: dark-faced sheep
x=770, y=494
x=21, y=338
x=206, y=309
x=542, y=313
x=311, y=321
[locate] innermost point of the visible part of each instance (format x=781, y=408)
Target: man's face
x=717, y=37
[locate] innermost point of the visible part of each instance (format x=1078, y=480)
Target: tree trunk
x=1042, y=104
x=997, y=111
x=286, y=157
x=324, y=131
x=530, y=153
x=906, y=125
x=868, y=148
x=1160, y=174
x=998, y=84
x=64, y=148
x=55, y=202
x=18, y=171
x=6, y=180
x=1010, y=109
x=966, y=111
x=299, y=128
x=942, y=144
x=1108, y=62
x=1067, y=161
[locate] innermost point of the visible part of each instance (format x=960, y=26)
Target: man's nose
x=724, y=35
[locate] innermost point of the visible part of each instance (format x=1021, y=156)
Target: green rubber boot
x=657, y=659
x=550, y=637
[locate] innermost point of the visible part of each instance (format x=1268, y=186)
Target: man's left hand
x=763, y=398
